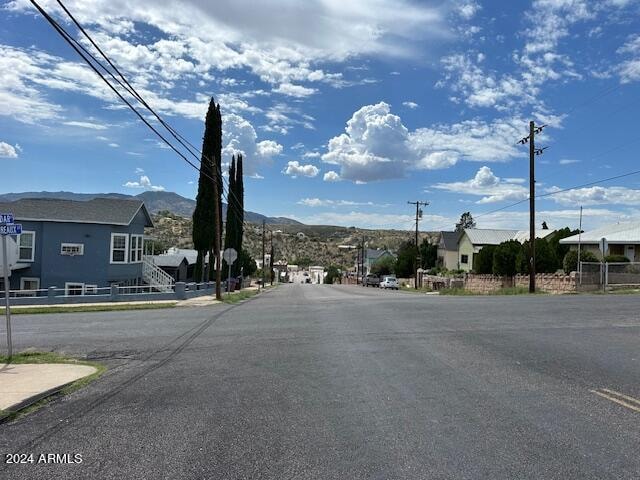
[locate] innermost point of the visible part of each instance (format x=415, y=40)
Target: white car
x=390, y=282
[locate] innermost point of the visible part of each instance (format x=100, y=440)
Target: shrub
x=483, y=260
x=616, y=259
x=570, y=261
x=384, y=266
x=333, y=274
x=546, y=259
x=504, y=258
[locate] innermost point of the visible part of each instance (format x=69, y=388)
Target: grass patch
x=239, y=296
x=501, y=291
x=49, y=357
x=90, y=308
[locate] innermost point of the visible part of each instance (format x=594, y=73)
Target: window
x=119, y=247
x=93, y=289
x=72, y=288
x=464, y=259
x=29, y=283
x=72, y=249
x=136, y=249
x=27, y=244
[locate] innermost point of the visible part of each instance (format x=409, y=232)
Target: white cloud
x=596, y=195
x=311, y=155
x=376, y=220
x=9, y=151
x=468, y=9
x=114, y=145
x=568, y=161
x=294, y=90
x=295, y=169
x=629, y=70
x=411, y=105
x=376, y=145
x=319, y=202
x=486, y=184
x=592, y=218
x=331, y=176
x=144, y=183
x=239, y=136
x=90, y=125
x=139, y=171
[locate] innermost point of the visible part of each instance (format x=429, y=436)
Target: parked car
x=371, y=280
x=390, y=282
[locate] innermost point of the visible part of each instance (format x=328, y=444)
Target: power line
x=84, y=53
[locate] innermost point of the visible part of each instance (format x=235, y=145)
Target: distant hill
x=154, y=201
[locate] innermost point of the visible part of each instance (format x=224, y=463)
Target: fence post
x=606, y=275
x=180, y=291
x=114, y=292
x=51, y=293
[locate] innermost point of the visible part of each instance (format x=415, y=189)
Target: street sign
x=11, y=229
x=230, y=255
x=13, y=253
x=6, y=217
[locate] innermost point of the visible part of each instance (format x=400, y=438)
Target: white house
x=616, y=239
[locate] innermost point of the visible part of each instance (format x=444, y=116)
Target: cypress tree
x=203, y=232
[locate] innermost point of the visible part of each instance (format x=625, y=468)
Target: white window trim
x=29, y=279
x=140, y=248
x=62, y=245
x=33, y=247
x=67, y=285
x=90, y=289
x=126, y=248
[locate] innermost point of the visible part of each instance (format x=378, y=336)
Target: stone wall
x=553, y=283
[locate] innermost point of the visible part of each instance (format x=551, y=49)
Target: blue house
x=78, y=245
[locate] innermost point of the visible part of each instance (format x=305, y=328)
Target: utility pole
x=271, y=260
x=263, y=257
x=533, y=152
x=418, y=204
x=362, y=269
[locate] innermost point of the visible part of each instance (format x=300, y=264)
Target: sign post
x=230, y=255
x=7, y=227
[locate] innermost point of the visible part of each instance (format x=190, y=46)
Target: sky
x=344, y=111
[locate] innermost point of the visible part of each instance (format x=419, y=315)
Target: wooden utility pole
x=362, y=269
x=271, y=260
x=263, y=257
x=532, y=208
x=418, y=204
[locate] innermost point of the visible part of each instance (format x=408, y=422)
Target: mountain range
x=154, y=201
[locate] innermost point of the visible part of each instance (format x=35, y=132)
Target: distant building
x=616, y=239
x=317, y=274
x=372, y=256
x=447, y=256
x=78, y=245
x=180, y=263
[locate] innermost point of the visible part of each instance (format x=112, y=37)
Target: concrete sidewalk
x=23, y=383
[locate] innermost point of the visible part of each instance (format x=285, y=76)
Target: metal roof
x=449, y=240
x=487, y=236
x=625, y=232
x=523, y=235
x=172, y=261
x=373, y=254
x=109, y=211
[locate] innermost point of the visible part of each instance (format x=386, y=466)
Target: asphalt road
x=342, y=382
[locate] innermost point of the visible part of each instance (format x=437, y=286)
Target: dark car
x=371, y=280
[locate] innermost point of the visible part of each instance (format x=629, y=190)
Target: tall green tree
x=207, y=219
x=466, y=221
x=406, y=260
x=428, y=254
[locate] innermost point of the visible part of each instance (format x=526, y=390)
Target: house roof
x=488, y=236
x=449, y=240
x=375, y=254
x=109, y=211
x=188, y=253
x=523, y=235
x=626, y=232
x=169, y=260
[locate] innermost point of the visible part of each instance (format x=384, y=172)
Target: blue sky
x=343, y=110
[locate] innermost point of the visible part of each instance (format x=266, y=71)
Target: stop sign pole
x=229, y=256
x=7, y=227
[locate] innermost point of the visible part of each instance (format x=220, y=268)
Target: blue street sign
x=11, y=229
x=6, y=217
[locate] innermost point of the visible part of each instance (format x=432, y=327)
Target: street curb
x=27, y=402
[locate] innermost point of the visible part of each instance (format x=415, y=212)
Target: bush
x=570, y=261
x=616, y=259
x=333, y=274
x=384, y=266
x=505, y=256
x=483, y=260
